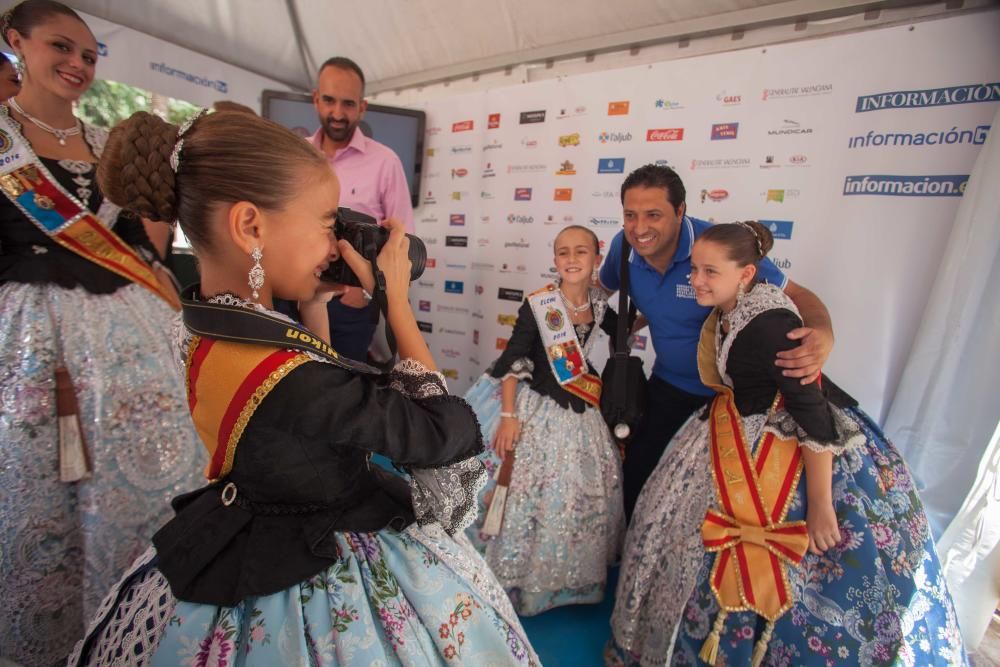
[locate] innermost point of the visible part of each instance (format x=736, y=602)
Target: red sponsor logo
x=563, y=194
x=717, y=195
x=493, y=121
x=475, y=336
x=459, y=173
x=462, y=126
x=501, y=343
x=431, y=263
x=665, y=134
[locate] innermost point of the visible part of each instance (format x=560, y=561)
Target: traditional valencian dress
x=83, y=320
x=720, y=525
x=300, y=552
x=563, y=520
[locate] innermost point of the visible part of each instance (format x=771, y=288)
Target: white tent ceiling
x=401, y=43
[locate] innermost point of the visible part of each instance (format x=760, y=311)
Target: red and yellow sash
x=562, y=347
x=225, y=384
x=748, y=532
x=29, y=185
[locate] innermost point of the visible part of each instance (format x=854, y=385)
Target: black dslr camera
x=367, y=237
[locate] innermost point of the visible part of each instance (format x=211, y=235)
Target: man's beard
x=338, y=134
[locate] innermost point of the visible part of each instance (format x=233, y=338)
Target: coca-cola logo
x=665, y=134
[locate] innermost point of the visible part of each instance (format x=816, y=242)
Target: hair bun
x=134, y=172
x=764, y=236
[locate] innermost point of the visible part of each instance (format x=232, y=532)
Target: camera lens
x=418, y=257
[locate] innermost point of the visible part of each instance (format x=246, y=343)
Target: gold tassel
x=760, y=650
x=73, y=461
x=710, y=649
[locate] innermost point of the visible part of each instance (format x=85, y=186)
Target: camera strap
x=242, y=325
x=381, y=299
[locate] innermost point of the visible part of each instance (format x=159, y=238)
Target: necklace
x=61, y=135
x=570, y=306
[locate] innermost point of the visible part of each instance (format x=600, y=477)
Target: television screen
x=400, y=129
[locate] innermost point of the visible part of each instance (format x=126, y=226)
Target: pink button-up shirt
x=371, y=178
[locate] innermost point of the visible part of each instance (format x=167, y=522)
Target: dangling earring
x=593, y=275
x=741, y=292
x=256, y=274
x=19, y=67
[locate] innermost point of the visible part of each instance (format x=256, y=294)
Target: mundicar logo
x=930, y=97
x=907, y=186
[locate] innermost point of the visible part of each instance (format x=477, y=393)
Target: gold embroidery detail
x=251, y=406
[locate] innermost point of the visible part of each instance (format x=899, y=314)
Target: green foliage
x=107, y=103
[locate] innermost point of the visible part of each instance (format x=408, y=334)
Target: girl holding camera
x=298, y=551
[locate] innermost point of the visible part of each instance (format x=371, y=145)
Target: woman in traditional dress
x=551, y=532
x=781, y=527
x=95, y=437
x=298, y=552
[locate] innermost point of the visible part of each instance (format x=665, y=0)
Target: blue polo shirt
x=668, y=303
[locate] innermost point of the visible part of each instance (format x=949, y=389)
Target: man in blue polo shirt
x=661, y=236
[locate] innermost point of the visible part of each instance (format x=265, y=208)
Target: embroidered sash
x=28, y=184
x=234, y=360
x=225, y=383
x=562, y=347
x=754, y=544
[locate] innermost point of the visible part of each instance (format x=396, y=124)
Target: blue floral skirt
x=564, y=521
x=877, y=598
x=415, y=597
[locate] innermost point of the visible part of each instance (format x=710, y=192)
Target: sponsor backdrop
x=855, y=150
x=144, y=61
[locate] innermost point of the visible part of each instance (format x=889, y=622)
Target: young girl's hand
x=821, y=522
x=506, y=437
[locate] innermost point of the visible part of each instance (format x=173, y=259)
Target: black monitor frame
x=421, y=116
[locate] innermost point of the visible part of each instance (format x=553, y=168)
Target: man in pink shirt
x=371, y=179
x=371, y=176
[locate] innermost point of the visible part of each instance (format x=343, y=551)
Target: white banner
x=856, y=148
x=146, y=62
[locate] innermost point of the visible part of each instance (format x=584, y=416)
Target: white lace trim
x=133, y=625
x=520, y=369
x=849, y=433
x=762, y=298
x=432, y=383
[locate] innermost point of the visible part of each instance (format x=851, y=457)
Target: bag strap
x=626, y=308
